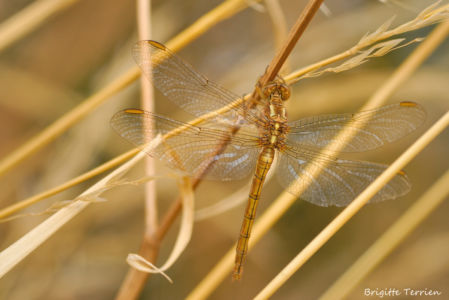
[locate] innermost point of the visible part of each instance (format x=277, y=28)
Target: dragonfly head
x=276, y=89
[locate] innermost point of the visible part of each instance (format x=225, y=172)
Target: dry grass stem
x=285, y=200
x=147, y=101
x=39, y=234
x=295, y=33
x=134, y=279
x=29, y=19
x=353, y=208
x=221, y=12
x=360, y=54
x=393, y=237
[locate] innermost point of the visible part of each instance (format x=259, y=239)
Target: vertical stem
x=147, y=101
x=135, y=280
x=293, y=37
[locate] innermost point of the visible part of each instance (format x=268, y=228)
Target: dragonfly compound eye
x=285, y=92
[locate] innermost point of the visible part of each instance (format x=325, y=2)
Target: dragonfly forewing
x=179, y=82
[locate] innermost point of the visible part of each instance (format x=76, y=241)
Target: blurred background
x=81, y=49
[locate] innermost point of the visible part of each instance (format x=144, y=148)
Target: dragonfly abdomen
x=264, y=162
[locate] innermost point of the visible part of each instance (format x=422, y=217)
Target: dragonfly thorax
x=275, y=94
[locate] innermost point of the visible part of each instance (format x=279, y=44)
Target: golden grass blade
x=29, y=19
x=353, y=208
x=285, y=200
x=12, y=255
x=183, y=238
x=392, y=238
x=219, y=13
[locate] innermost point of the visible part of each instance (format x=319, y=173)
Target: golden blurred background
x=78, y=51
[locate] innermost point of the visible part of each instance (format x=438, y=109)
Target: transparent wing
x=192, y=149
x=340, y=182
x=177, y=80
x=386, y=124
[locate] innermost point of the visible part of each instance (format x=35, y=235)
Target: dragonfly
x=245, y=138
